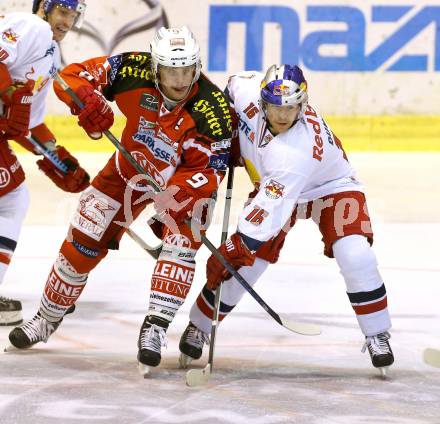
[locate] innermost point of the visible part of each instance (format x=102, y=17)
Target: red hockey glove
x=96, y=116
x=175, y=202
x=236, y=253
x=18, y=101
x=76, y=179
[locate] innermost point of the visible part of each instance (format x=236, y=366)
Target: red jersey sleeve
x=92, y=72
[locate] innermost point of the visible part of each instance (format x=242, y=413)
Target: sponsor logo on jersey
x=178, y=246
x=136, y=72
x=327, y=131
x=150, y=169
x=146, y=136
x=149, y=102
x=95, y=213
x=210, y=113
x=10, y=36
x=206, y=109
x=175, y=272
x=224, y=106
x=219, y=162
x=318, y=148
x=178, y=240
x=145, y=131
x=273, y=189
x=244, y=127
x=50, y=51
x=15, y=166
x=5, y=177
x=3, y=54
x=264, y=141
x=160, y=134
x=86, y=251
x=221, y=145
x=114, y=63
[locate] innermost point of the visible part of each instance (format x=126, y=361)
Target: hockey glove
x=76, y=179
x=96, y=115
x=174, y=202
x=236, y=253
x=18, y=100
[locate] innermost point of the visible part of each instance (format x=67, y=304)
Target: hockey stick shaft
x=48, y=154
x=218, y=291
x=203, y=238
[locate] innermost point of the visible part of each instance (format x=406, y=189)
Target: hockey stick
x=432, y=357
x=48, y=154
x=152, y=251
x=296, y=327
x=197, y=377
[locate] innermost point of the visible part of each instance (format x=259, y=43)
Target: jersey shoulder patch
x=210, y=111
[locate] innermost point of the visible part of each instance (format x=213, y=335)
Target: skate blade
x=184, y=361
x=144, y=370
x=197, y=377
x=383, y=372
x=9, y=348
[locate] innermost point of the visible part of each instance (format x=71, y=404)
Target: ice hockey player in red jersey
x=29, y=57
x=299, y=170
x=178, y=128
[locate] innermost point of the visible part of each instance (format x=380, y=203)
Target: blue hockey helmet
x=284, y=85
x=78, y=6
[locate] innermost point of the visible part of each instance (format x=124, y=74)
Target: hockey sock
x=170, y=285
x=63, y=287
x=365, y=288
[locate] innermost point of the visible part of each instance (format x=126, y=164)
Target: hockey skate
x=380, y=351
x=151, y=339
x=10, y=311
x=38, y=329
x=191, y=345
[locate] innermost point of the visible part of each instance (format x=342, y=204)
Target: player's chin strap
x=296, y=327
x=62, y=167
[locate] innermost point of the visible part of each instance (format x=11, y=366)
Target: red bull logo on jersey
x=274, y=190
x=10, y=36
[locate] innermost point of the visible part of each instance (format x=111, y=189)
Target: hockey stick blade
x=198, y=377
x=301, y=327
x=154, y=252
x=432, y=357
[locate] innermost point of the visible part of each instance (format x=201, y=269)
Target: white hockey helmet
x=284, y=85
x=175, y=47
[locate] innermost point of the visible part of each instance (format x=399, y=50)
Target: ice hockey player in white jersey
x=299, y=170
x=29, y=58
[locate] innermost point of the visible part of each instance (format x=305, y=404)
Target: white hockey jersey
x=28, y=50
x=302, y=164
